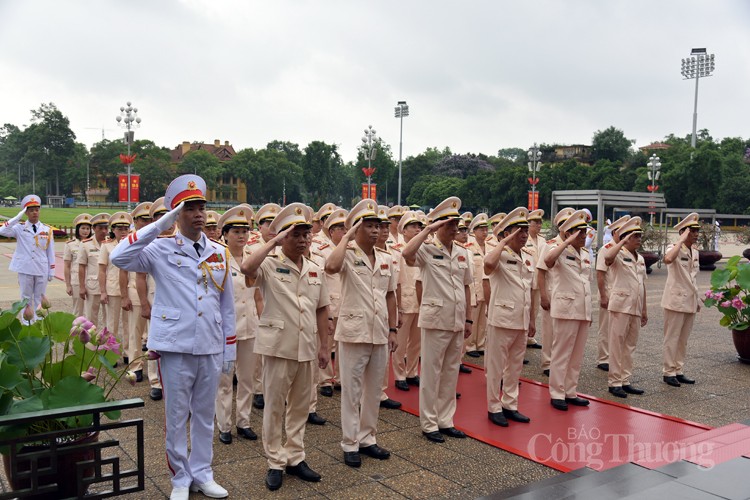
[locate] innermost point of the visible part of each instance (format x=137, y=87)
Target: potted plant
x=652, y=242
x=708, y=253
x=57, y=362
x=743, y=238
x=729, y=294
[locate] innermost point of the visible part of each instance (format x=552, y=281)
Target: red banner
x=135, y=188
x=533, y=200
x=372, y=194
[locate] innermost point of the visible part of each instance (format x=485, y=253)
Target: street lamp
x=699, y=65
x=654, y=170
x=129, y=119
x=402, y=110
x=535, y=154
x=369, y=142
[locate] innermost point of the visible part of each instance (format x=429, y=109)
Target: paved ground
x=459, y=468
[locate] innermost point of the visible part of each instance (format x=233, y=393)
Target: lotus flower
x=153, y=355
x=28, y=313
x=84, y=336
x=89, y=375
x=46, y=304
x=130, y=377
x=79, y=320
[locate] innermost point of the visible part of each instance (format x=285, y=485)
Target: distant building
x=654, y=146
x=229, y=187
x=579, y=152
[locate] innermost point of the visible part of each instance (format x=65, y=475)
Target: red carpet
x=600, y=436
x=59, y=271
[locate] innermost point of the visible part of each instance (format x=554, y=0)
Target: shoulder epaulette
x=166, y=236
x=323, y=246
x=72, y=240
x=377, y=249
x=86, y=240
x=219, y=242
x=551, y=241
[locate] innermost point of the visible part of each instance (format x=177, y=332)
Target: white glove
x=168, y=219
x=227, y=367
x=17, y=217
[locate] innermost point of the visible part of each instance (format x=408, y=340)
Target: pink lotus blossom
x=709, y=294
x=84, y=336
x=153, y=355
x=738, y=304
x=111, y=344
x=89, y=375
x=726, y=303
x=101, y=337
x=79, y=320
x=130, y=377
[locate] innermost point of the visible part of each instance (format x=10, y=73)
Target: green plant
x=653, y=239
x=57, y=362
x=729, y=294
x=706, y=236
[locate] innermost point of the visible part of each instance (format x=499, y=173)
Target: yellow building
x=229, y=187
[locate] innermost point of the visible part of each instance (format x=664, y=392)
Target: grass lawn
x=58, y=217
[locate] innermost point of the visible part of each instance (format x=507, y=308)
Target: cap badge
x=298, y=211
x=191, y=184
x=455, y=204
x=242, y=212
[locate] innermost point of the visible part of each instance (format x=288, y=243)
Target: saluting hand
x=350, y=233
x=436, y=225
x=168, y=219
x=510, y=236
x=280, y=237
x=570, y=239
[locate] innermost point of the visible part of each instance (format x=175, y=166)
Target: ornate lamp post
x=369, y=142
x=402, y=110
x=535, y=154
x=654, y=170
x=128, y=119
x=698, y=65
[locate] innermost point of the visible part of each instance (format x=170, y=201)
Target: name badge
x=183, y=254
x=282, y=270
x=234, y=274
x=359, y=263
x=477, y=255
x=511, y=262
x=569, y=257
x=438, y=257
x=628, y=259
x=684, y=258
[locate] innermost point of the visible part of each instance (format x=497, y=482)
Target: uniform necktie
x=33, y=226
x=197, y=247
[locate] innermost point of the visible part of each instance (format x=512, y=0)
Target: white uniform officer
x=82, y=225
x=444, y=316
x=192, y=327
x=34, y=258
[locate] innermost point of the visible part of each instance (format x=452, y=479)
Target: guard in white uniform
x=34, y=258
x=192, y=327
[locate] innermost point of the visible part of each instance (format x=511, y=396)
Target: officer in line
x=131, y=304
x=366, y=330
x=405, y=360
x=192, y=327
x=477, y=249
x=88, y=269
x=109, y=285
x=680, y=300
x=34, y=257
x=510, y=322
x=234, y=226
x=533, y=248
x=295, y=310
x=444, y=316
x=569, y=267
x=82, y=225
x=395, y=238
x=545, y=290
x=626, y=304
x=604, y=285
x=211, y=229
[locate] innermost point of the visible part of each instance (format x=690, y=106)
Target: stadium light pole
x=402, y=110
x=698, y=65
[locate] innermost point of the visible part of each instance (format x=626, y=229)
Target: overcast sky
x=477, y=75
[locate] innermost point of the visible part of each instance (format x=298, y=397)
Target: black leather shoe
x=526, y=361
x=247, y=433
x=685, y=380
x=672, y=381
x=401, y=385
x=497, y=418
x=225, y=437
x=576, y=401
x=303, y=471
x=326, y=391
x=144, y=348
x=534, y=346
x=516, y=416
x=545, y=372
x=452, y=432
x=618, y=391
x=473, y=354
x=352, y=459
x=273, y=479
x=390, y=404
x=413, y=381
x=336, y=387
x=632, y=390
x=315, y=419
x=155, y=394
x=375, y=451
x=464, y=369
x=138, y=375
x=258, y=401
x=125, y=360
x=603, y=367
x=458, y=395
x=434, y=436
x=559, y=404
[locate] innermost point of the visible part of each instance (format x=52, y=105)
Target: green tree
x=266, y=173
x=320, y=164
x=204, y=164
x=611, y=144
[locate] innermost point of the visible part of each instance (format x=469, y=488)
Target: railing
x=34, y=467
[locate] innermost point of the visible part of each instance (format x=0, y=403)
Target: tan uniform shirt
x=444, y=275
x=571, y=288
x=88, y=255
x=628, y=284
x=407, y=279
x=540, y=261
x=364, y=313
x=510, y=283
x=292, y=296
x=533, y=249
x=477, y=261
x=602, y=266
x=245, y=312
x=681, y=289
x=112, y=277
x=70, y=254
x=323, y=251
